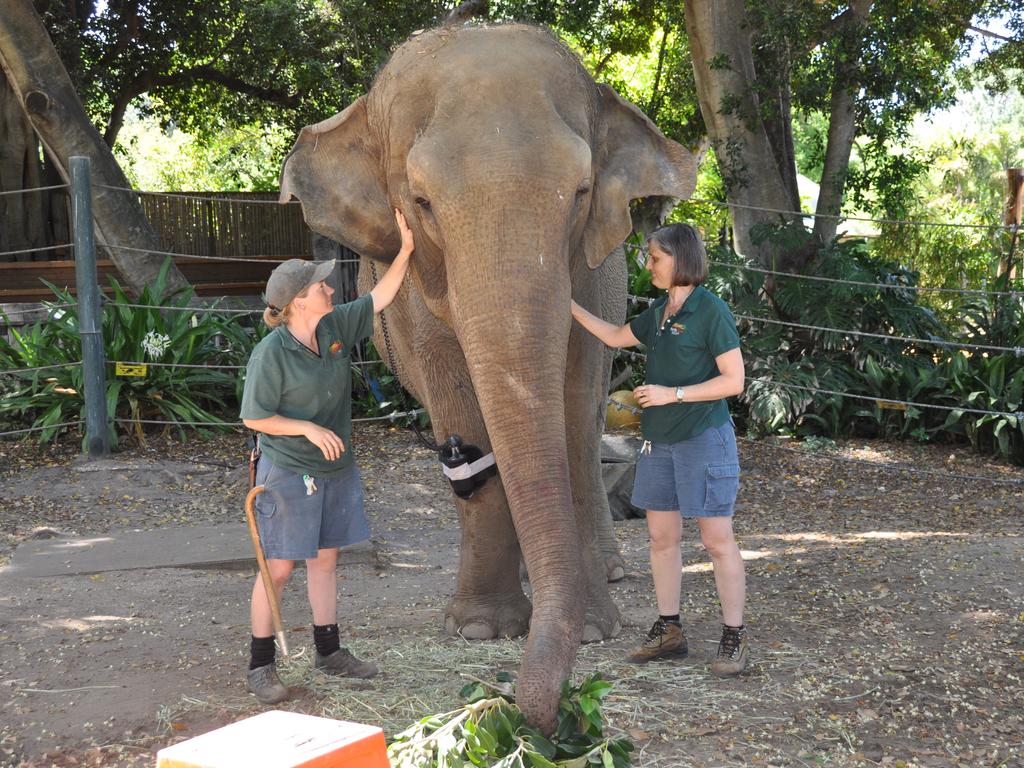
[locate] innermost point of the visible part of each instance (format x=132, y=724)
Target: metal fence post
x=90, y=323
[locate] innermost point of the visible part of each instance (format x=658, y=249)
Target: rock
x=618, y=466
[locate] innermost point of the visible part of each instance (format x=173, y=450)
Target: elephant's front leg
x=488, y=600
x=583, y=396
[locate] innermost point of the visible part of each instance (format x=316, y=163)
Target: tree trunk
x=723, y=64
x=22, y=223
x=43, y=88
x=842, y=128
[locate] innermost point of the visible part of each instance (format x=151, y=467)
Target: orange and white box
x=280, y=739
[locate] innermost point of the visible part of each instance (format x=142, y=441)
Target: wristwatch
x=679, y=394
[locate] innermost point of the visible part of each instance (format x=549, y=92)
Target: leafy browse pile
x=493, y=732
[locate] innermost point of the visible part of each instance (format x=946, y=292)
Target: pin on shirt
x=309, y=480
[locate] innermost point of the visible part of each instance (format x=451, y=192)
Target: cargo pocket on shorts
x=265, y=505
x=723, y=482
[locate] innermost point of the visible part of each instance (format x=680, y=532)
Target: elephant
x=515, y=171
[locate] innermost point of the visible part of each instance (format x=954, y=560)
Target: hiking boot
x=733, y=653
x=343, y=663
x=265, y=685
x=665, y=641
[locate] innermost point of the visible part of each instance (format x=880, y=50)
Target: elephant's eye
x=583, y=190
x=423, y=203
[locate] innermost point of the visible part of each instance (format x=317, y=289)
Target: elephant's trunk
x=517, y=362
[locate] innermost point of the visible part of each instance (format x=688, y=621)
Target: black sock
x=326, y=638
x=261, y=651
x=674, y=619
x=738, y=630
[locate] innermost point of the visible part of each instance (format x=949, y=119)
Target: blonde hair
x=274, y=317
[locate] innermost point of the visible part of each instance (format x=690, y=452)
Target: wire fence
x=55, y=366
x=201, y=257
x=415, y=412
x=43, y=428
x=842, y=217
x=1018, y=351
x=187, y=196
x=694, y=200
x=863, y=284
x=1019, y=415
x=20, y=251
x=8, y=192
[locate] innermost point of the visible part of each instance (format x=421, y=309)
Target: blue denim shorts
x=294, y=524
x=699, y=477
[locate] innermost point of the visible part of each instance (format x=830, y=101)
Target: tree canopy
x=832, y=84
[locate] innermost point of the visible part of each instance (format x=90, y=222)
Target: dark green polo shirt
x=286, y=378
x=680, y=353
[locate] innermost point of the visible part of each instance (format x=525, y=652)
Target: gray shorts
x=699, y=477
x=294, y=524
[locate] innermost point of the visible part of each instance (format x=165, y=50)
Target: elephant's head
x=514, y=168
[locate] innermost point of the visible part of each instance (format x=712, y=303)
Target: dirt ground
x=886, y=612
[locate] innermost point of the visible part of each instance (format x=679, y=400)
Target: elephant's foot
x=486, y=617
x=601, y=621
x=614, y=566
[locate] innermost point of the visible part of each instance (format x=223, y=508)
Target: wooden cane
x=261, y=560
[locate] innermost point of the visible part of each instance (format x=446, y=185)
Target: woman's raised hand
x=330, y=445
x=408, y=242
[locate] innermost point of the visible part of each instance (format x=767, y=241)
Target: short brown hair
x=684, y=244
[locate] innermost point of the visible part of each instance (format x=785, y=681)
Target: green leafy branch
x=492, y=731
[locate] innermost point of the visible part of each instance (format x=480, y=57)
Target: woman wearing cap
x=688, y=466
x=298, y=395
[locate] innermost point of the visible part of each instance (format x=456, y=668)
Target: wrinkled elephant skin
x=516, y=171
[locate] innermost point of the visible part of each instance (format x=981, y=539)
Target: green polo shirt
x=286, y=378
x=681, y=352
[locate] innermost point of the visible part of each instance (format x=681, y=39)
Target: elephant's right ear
x=634, y=159
x=335, y=170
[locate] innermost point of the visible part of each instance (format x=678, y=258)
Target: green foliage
x=959, y=177
x=493, y=732
x=47, y=398
x=239, y=159
x=227, y=63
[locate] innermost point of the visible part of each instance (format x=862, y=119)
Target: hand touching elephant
x=516, y=171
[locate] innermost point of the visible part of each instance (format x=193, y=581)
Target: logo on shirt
x=336, y=347
x=677, y=328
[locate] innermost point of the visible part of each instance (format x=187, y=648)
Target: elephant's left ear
x=335, y=170
x=633, y=159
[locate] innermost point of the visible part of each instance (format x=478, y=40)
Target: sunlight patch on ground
x=85, y=623
x=907, y=535
x=851, y=538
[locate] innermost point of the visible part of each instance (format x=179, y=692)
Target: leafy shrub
x=493, y=732
x=161, y=331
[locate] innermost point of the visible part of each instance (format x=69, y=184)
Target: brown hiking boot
x=343, y=663
x=665, y=641
x=265, y=685
x=733, y=652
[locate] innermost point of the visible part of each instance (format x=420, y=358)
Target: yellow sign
x=883, y=404
x=128, y=369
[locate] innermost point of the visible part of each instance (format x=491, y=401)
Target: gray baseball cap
x=289, y=279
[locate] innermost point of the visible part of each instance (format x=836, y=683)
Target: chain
x=393, y=365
